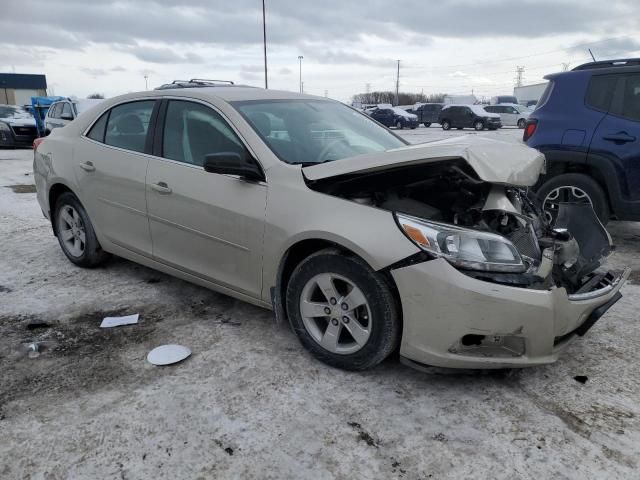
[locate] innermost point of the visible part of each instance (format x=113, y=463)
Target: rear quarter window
x=544, y=98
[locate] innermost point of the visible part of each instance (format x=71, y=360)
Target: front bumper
x=9, y=138
x=453, y=320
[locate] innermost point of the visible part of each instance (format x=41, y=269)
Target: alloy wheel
x=71, y=230
x=563, y=194
x=335, y=313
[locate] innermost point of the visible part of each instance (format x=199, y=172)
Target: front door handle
x=161, y=187
x=620, y=137
x=88, y=167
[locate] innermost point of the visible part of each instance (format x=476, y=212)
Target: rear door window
x=600, y=91
x=627, y=99
x=128, y=125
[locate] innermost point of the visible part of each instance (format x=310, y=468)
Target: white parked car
x=511, y=114
x=64, y=111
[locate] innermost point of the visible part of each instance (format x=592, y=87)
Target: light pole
x=146, y=85
x=398, y=83
x=300, y=57
x=264, y=39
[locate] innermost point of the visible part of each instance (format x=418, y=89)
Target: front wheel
x=399, y=125
x=342, y=311
x=75, y=233
x=573, y=188
x=446, y=125
x=478, y=126
x=522, y=123
x=427, y=124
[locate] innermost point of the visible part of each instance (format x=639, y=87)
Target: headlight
x=463, y=247
x=4, y=127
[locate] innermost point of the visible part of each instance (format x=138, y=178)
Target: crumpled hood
x=494, y=161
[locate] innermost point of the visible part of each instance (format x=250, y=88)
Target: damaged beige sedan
x=365, y=244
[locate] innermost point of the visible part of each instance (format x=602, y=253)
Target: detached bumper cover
x=442, y=305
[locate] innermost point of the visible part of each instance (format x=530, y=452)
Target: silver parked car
x=65, y=111
x=310, y=208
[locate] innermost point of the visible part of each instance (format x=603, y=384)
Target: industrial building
x=18, y=88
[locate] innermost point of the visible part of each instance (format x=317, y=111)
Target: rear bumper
x=453, y=320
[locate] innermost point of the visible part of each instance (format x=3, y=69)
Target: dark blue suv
x=587, y=123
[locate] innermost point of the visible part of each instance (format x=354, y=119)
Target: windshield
x=315, y=131
x=14, y=112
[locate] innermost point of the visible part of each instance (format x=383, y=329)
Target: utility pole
x=367, y=87
x=146, y=85
x=300, y=57
x=519, y=76
x=326, y=93
x=398, y=83
x=264, y=41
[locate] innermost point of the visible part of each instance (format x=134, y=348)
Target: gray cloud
x=614, y=47
x=160, y=55
x=341, y=57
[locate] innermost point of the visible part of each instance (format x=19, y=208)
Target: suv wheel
x=427, y=124
x=574, y=188
x=75, y=233
x=399, y=125
x=522, y=123
x=342, y=311
x=446, y=125
x=479, y=125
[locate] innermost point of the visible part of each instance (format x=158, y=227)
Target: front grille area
x=526, y=243
x=23, y=131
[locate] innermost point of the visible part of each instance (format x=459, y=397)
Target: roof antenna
x=591, y=53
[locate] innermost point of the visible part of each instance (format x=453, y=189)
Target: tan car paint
x=230, y=235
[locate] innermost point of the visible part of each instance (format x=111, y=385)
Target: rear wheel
x=573, y=188
x=446, y=125
x=75, y=233
x=399, y=125
x=479, y=125
x=342, y=311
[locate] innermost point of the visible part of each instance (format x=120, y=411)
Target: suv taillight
x=529, y=130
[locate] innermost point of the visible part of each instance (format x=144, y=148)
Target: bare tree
x=96, y=95
x=404, y=98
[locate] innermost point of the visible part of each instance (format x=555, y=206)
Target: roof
x=622, y=62
x=227, y=93
x=23, y=81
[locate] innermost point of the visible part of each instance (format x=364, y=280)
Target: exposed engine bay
x=562, y=251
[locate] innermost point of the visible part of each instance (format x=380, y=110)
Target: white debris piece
x=109, y=322
x=168, y=354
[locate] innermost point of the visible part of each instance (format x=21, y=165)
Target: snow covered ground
x=251, y=403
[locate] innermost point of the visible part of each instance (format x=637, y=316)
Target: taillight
x=529, y=130
x=36, y=143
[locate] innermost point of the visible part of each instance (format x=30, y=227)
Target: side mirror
x=233, y=163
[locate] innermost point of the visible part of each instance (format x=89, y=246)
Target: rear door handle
x=88, y=167
x=620, y=137
x=161, y=187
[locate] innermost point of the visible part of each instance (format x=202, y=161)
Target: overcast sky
x=453, y=46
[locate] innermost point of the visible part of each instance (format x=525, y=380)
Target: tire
x=522, y=123
x=446, y=125
x=479, y=125
x=399, y=125
x=89, y=254
x=427, y=124
x=379, y=311
x=585, y=184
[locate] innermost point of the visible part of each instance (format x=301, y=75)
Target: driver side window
x=192, y=131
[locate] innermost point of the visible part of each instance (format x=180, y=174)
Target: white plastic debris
x=109, y=322
x=168, y=354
